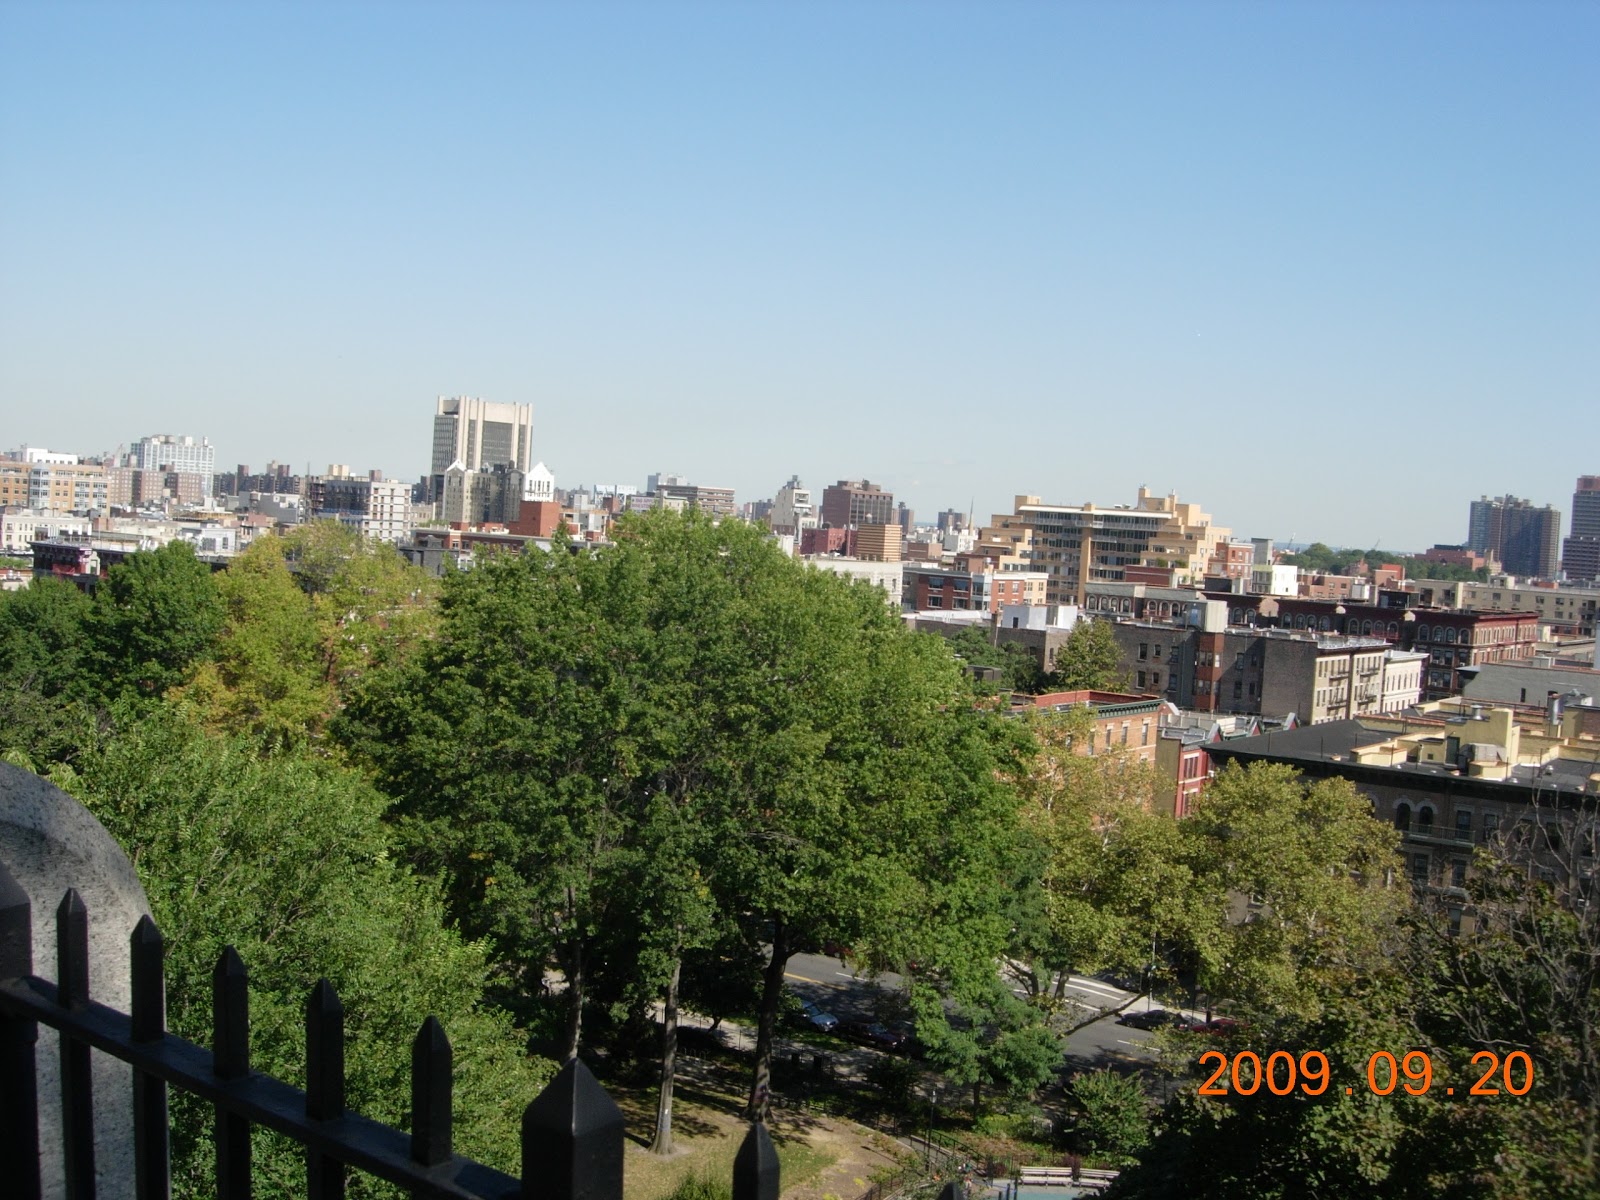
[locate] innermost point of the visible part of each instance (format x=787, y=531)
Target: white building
x=181, y=454
x=792, y=509
x=539, y=485
x=20, y=526
x=1402, y=680
x=33, y=454
x=1272, y=579
x=886, y=575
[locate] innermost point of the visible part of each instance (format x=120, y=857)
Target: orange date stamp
x=1412, y=1073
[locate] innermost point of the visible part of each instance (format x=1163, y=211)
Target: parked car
x=817, y=1017
x=875, y=1034
x=1155, y=1018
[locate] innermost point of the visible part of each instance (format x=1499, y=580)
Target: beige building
x=1567, y=610
x=1078, y=546
x=878, y=543
x=54, y=487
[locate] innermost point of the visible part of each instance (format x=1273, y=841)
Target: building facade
x=53, y=487
x=1526, y=540
x=1566, y=611
x=1580, y=553
x=179, y=455
x=479, y=435
x=1079, y=547
x=855, y=502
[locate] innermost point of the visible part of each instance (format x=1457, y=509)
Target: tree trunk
x=771, y=993
x=574, y=1001
x=977, y=1098
x=669, y=1064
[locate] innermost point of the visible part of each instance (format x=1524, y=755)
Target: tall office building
x=480, y=435
x=1526, y=540
x=1580, y=554
x=853, y=502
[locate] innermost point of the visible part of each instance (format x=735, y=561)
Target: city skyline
x=1277, y=262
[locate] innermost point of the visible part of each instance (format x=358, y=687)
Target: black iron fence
x=572, y=1133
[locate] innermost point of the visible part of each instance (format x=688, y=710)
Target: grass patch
x=707, y=1131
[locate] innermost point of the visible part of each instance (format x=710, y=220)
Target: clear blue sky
x=1330, y=270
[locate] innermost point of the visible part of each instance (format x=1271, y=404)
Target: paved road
x=838, y=988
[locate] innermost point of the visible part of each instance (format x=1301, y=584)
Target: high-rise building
x=1580, y=554
x=177, y=455
x=1526, y=540
x=480, y=435
x=854, y=502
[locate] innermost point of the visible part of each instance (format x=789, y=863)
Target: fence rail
x=572, y=1133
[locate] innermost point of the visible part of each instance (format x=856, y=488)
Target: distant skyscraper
x=1580, y=555
x=480, y=435
x=1525, y=539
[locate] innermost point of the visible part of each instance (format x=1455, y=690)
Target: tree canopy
x=628, y=748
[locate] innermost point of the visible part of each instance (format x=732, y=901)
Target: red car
x=1213, y=1027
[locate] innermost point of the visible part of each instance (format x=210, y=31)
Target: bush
x=1115, y=1119
x=701, y=1187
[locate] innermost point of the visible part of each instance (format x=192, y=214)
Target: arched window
x=1422, y=633
x=1424, y=819
x=1450, y=636
x=1366, y=628
x=1324, y=624
x=1394, y=629
x=1402, y=817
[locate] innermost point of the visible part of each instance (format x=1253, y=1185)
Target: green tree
x=1295, y=881
x=987, y=1039
x=615, y=753
x=1021, y=669
x=267, y=676
x=1089, y=659
x=1109, y=869
x=155, y=616
x=43, y=672
x=289, y=860
x=1114, y=1115
x=1524, y=977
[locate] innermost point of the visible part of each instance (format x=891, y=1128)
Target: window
x=1158, y=651
x=1458, y=872
x=1402, y=817
x=1419, y=869
x=1155, y=680
x=1144, y=734
x=1463, y=825
x=1125, y=733
x=1144, y=651
x=1491, y=825
x=1141, y=678
x=1424, y=819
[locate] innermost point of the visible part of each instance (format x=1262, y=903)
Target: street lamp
x=927, y=1142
